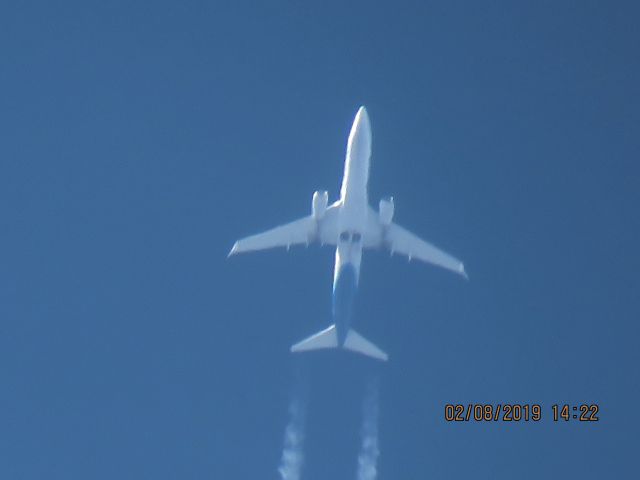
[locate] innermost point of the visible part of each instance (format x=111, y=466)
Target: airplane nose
x=359, y=144
x=362, y=117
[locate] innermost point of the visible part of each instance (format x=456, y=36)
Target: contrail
x=292, y=453
x=369, y=450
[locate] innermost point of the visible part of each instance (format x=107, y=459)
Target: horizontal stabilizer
x=357, y=343
x=327, y=338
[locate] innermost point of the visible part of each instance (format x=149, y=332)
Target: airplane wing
x=400, y=240
x=305, y=230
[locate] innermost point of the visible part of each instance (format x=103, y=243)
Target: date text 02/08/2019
x=515, y=412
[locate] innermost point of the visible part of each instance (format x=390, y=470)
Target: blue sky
x=139, y=141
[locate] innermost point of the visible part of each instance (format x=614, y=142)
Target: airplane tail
x=328, y=338
x=357, y=343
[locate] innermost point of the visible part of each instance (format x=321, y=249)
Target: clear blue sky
x=138, y=140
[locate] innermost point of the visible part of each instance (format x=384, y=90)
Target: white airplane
x=352, y=225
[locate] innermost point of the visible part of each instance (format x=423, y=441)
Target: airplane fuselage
x=354, y=210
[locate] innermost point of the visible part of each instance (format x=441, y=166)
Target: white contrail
x=369, y=450
x=292, y=453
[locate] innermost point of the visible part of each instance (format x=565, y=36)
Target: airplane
x=352, y=226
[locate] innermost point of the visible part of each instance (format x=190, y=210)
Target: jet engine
x=319, y=204
x=385, y=211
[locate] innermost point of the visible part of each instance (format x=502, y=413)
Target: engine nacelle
x=319, y=204
x=385, y=211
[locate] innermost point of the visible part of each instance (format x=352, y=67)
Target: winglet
x=462, y=272
x=233, y=250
